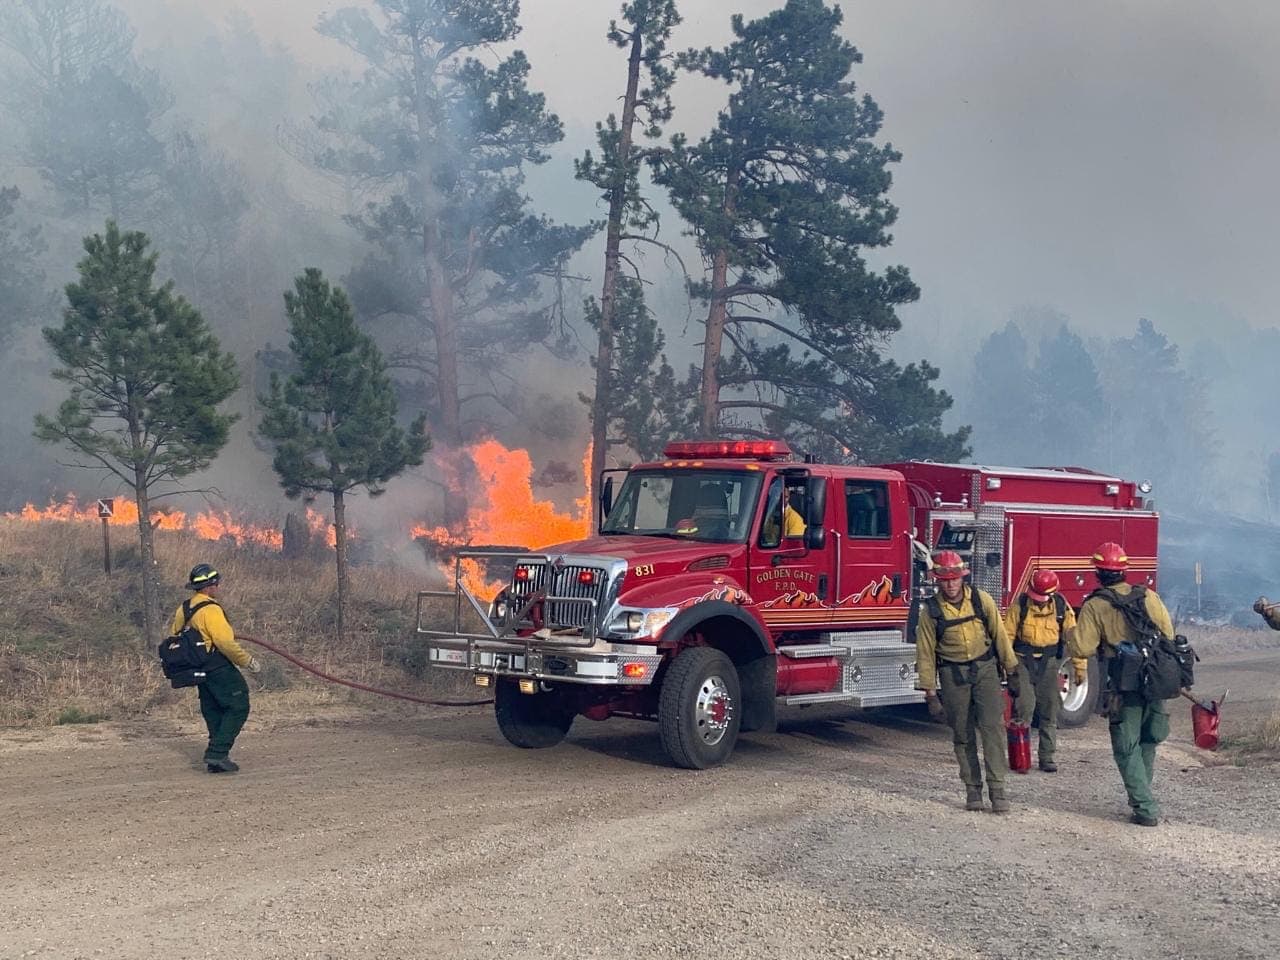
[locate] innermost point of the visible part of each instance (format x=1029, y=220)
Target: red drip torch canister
x=1204, y=725
x=1008, y=707
x=1019, y=747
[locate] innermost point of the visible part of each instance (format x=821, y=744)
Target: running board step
x=802, y=698
x=807, y=650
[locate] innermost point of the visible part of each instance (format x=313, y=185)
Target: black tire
x=530, y=721
x=700, y=708
x=1082, y=705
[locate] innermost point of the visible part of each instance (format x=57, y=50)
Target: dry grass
x=1257, y=741
x=71, y=641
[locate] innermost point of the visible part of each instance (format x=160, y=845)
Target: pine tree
x=333, y=421
x=442, y=134
x=23, y=296
x=1063, y=425
x=783, y=196
x=1001, y=397
x=645, y=30
x=146, y=378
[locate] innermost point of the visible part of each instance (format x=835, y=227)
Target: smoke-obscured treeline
x=417, y=162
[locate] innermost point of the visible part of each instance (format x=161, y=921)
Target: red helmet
x=1044, y=584
x=1111, y=556
x=949, y=565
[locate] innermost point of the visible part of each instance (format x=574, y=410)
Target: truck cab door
x=874, y=554
x=790, y=558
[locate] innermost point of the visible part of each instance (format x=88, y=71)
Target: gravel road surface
x=425, y=835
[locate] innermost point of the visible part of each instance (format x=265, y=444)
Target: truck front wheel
x=1078, y=699
x=700, y=708
x=531, y=721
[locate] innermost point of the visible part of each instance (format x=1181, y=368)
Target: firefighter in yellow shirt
x=224, y=696
x=960, y=642
x=1038, y=623
x=1138, y=725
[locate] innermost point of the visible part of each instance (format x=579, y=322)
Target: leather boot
x=999, y=802
x=225, y=765
x=973, y=798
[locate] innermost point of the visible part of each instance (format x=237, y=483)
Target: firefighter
x=224, y=695
x=1137, y=724
x=1269, y=612
x=960, y=641
x=1038, y=623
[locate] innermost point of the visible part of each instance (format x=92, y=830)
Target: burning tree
x=146, y=378
x=333, y=421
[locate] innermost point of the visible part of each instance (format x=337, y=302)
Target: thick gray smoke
x=1086, y=164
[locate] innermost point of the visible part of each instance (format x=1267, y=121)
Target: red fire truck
x=731, y=577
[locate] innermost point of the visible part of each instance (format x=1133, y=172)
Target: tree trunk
x=340, y=551
x=602, y=403
x=147, y=552
x=444, y=327
x=712, y=345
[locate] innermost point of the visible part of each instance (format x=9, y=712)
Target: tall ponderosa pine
x=645, y=29
x=146, y=378
x=23, y=295
x=441, y=133
x=783, y=196
x=648, y=403
x=333, y=421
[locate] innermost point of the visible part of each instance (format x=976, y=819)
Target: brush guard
x=512, y=647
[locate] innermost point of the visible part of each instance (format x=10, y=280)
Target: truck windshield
x=711, y=505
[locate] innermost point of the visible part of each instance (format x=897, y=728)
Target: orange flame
x=506, y=511
x=208, y=524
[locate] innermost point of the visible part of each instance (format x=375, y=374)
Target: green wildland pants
x=974, y=704
x=1136, y=727
x=224, y=704
x=1038, y=677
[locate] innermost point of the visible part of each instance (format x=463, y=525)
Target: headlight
x=643, y=623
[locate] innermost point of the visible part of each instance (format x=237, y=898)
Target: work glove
x=936, y=710
x=1080, y=671
x=1015, y=684
x=254, y=665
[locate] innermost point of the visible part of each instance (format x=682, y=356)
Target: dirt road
x=426, y=836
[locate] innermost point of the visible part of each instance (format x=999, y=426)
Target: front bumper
x=601, y=664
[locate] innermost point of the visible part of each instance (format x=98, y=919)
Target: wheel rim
x=1074, y=694
x=713, y=710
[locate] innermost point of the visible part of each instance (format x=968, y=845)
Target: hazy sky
x=1111, y=158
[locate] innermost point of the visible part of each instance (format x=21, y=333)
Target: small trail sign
x=106, y=508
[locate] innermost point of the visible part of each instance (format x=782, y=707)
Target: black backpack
x=941, y=624
x=1059, y=609
x=1148, y=662
x=183, y=656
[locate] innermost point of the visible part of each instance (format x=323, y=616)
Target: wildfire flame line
x=207, y=524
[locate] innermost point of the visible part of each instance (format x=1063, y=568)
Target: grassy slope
x=71, y=647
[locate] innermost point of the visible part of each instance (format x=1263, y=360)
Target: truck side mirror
x=606, y=497
x=815, y=495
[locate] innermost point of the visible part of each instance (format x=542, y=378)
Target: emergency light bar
x=728, y=449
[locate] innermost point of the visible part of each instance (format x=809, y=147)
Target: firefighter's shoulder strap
x=1059, y=608
x=941, y=624
x=188, y=611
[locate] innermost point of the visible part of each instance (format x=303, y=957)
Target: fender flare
x=687, y=619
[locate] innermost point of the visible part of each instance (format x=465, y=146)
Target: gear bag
x=183, y=657
x=1148, y=662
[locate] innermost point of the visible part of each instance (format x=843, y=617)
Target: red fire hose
x=360, y=686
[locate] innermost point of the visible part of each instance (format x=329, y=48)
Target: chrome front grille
x=561, y=583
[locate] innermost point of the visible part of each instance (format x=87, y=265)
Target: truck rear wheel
x=531, y=721
x=700, y=708
x=1078, y=700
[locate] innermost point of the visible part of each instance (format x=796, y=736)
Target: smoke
x=1108, y=160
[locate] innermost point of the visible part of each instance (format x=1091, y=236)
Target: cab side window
x=784, y=512
x=867, y=507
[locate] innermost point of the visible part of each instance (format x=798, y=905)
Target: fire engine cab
x=732, y=577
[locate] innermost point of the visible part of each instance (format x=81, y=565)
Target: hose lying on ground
x=360, y=686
